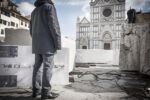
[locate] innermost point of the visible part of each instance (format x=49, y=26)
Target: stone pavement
x=92, y=84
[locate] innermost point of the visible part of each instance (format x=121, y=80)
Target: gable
x=84, y=21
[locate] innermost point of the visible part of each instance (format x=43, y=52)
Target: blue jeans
x=40, y=81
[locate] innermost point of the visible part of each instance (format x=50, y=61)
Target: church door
x=107, y=46
x=84, y=47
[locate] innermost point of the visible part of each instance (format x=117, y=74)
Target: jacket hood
x=38, y=3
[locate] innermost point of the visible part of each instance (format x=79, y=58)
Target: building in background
x=10, y=17
x=104, y=28
x=143, y=17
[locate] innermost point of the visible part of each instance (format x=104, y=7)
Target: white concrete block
x=109, y=57
x=25, y=60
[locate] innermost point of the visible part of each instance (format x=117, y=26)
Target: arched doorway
x=84, y=47
x=107, y=39
x=84, y=43
x=107, y=46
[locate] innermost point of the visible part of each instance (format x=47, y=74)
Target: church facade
x=103, y=31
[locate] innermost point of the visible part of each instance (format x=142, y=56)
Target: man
x=46, y=40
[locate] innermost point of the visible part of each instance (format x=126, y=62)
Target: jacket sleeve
x=54, y=27
x=31, y=28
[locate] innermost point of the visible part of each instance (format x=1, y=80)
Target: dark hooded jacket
x=44, y=28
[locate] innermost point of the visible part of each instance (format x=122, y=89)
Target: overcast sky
x=68, y=10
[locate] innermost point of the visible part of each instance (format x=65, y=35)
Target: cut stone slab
x=135, y=48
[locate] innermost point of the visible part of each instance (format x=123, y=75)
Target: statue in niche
x=131, y=16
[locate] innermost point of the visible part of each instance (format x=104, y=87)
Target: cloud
x=71, y=2
x=138, y=4
x=25, y=8
x=85, y=10
x=83, y=3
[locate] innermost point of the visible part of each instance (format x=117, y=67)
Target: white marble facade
x=104, y=28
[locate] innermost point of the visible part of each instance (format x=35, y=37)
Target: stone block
x=135, y=48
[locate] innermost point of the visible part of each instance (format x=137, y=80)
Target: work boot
x=35, y=93
x=50, y=96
